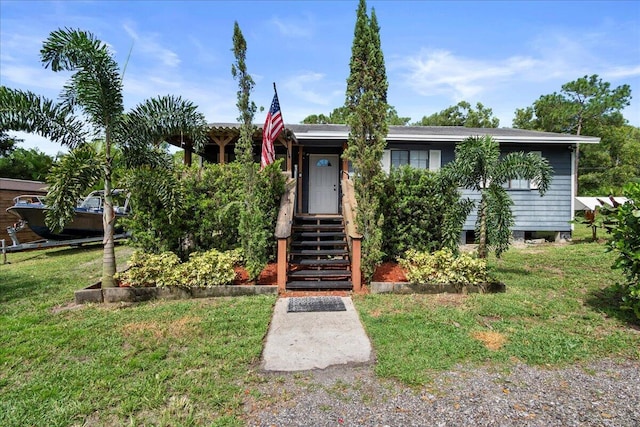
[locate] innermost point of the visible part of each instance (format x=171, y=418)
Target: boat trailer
x=16, y=246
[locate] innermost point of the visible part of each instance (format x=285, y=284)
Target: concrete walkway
x=316, y=340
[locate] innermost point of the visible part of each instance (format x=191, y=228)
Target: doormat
x=313, y=304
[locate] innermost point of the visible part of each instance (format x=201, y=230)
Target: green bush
x=445, y=267
x=205, y=204
x=211, y=268
x=150, y=269
x=422, y=210
x=624, y=224
x=204, y=269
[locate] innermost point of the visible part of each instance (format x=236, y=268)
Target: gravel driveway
x=605, y=393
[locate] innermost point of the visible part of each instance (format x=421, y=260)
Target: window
x=399, y=158
x=435, y=160
x=323, y=163
x=525, y=184
x=419, y=159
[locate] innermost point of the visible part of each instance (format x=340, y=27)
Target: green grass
x=192, y=362
x=560, y=308
x=157, y=363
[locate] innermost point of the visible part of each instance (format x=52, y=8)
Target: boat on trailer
x=87, y=220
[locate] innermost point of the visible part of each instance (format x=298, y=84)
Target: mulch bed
x=386, y=272
x=390, y=272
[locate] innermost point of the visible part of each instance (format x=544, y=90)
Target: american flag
x=272, y=128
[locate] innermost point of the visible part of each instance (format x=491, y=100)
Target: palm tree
x=478, y=166
x=90, y=106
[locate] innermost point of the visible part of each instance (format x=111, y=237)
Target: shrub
x=204, y=269
x=205, y=209
x=445, y=267
x=211, y=268
x=624, y=224
x=150, y=269
x=422, y=211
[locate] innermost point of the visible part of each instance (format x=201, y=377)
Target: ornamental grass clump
x=445, y=267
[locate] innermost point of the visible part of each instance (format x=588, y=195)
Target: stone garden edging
x=95, y=294
x=431, y=288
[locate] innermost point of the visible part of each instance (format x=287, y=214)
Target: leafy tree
x=623, y=222
x=605, y=168
x=92, y=100
x=581, y=107
x=7, y=144
x=479, y=166
x=462, y=114
x=393, y=119
x=316, y=119
x=29, y=164
x=340, y=115
x=366, y=101
x=584, y=106
x=252, y=230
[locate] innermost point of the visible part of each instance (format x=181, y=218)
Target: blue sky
x=437, y=53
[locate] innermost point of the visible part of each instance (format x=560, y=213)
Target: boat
x=87, y=220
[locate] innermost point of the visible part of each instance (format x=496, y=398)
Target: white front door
x=323, y=183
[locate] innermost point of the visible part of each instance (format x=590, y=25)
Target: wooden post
x=356, y=272
x=187, y=154
x=282, y=265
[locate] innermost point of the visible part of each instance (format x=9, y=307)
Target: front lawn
x=157, y=363
x=192, y=362
x=560, y=308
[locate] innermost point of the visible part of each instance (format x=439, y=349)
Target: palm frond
x=531, y=166
x=96, y=86
x=476, y=161
x=69, y=181
x=28, y=112
x=158, y=119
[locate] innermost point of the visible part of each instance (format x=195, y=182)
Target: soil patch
x=491, y=340
x=268, y=276
x=389, y=272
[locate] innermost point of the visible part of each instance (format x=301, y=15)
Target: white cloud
x=294, y=29
x=147, y=44
x=621, y=72
x=22, y=76
x=311, y=87
x=440, y=72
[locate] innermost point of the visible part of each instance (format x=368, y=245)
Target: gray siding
x=551, y=212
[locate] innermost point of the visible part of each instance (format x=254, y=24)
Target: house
x=314, y=152
x=312, y=156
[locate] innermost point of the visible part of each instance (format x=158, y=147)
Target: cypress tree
x=251, y=227
x=366, y=101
